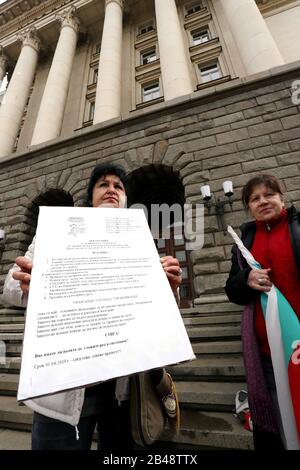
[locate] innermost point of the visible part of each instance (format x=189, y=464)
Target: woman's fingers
x=24, y=275
x=173, y=271
x=259, y=279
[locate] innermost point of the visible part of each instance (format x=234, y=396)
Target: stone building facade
x=181, y=93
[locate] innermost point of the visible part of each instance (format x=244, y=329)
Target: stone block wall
x=230, y=131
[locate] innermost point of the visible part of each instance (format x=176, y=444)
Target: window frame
x=201, y=29
x=148, y=24
x=208, y=65
x=148, y=51
x=190, y=6
x=149, y=84
x=91, y=110
x=95, y=75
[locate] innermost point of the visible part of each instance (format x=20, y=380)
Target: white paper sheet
x=100, y=305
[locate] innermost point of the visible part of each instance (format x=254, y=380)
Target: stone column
x=256, y=45
x=51, y=112
x=17, y=93
x=108, y=92
x=173, y=56
x=3, y=64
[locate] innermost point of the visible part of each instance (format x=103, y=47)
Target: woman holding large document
x=67, y=420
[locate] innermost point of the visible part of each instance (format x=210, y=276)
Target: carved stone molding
x=3, y=59
x=30, y=38
x=267, y=6
x=11, y=18
x=69, y=18
x=119, y=2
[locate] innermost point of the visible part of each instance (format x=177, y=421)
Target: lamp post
x=219, y=204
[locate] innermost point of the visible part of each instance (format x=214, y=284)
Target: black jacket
x=236, y=287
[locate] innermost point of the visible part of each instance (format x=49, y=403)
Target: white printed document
x=100, y=305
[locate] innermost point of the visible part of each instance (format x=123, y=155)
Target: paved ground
x=16, y=440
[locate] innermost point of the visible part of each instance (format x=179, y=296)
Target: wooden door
x=176, y=247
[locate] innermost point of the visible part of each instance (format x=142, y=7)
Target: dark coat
x=236, y=287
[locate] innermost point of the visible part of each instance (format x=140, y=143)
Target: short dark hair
x=102, y=170
x=269, y=181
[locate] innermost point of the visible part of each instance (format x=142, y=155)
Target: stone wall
x=230, y=131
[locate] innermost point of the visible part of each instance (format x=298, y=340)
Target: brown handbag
x=146, y=411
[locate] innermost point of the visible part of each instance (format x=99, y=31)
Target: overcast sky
x=2, y=1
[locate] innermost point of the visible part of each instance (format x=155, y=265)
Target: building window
x=146, y=28
x=150, y=91
x=148, y=56
x=199, y=36
x=210, y=72
x=97, y=48
x=91, y=111
x=95, y=76
x=193, y=8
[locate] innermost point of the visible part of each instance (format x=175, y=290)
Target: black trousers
x=112, y=422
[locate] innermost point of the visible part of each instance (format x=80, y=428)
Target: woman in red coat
x=274, y=240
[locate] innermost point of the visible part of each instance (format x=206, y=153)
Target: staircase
x=206, y=386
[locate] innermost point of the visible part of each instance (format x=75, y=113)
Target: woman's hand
x=173, y=271
x=24, y=275
x=259, y=279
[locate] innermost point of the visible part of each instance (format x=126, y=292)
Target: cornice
x=268, y=6
x=19, y=13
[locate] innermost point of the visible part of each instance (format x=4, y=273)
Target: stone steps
x=11, y=337
x=193, y=320
x=11, y=319
x=223, y=308
x=213, y=368
x=205, y=332
x=197, y=394
x=209, y=430
x=11, y=365
x=9, y=384
x=13, y=348
x=217, y=396
x=10, y=310
x=11, y=328
x=199, y=429
x=217, y=347
x=14, y=416
x=14, y=440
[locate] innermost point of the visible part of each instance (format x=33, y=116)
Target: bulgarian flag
x=283, y=330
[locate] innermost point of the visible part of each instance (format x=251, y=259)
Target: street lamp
x=220, y=203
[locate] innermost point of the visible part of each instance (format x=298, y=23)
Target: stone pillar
x=173, y=57
x=51, y=112
x=108, y=93
x=256, y=45
x=3, y=64
x=17, y=93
